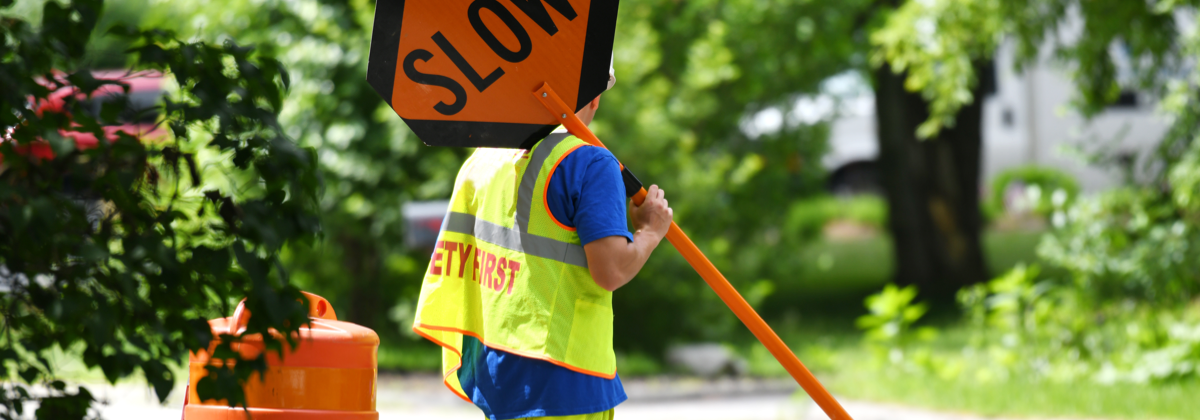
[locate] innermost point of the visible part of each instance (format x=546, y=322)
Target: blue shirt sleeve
x=587, y=193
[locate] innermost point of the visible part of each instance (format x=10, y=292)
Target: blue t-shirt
x=586, y=192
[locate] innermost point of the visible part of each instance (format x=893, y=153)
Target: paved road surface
x=423, y=397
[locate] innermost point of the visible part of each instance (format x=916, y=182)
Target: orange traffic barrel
x=331, y=374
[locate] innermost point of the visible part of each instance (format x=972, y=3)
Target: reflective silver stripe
x=529, y=179
x=514, y=240
x=459, y=222
x=518, y=238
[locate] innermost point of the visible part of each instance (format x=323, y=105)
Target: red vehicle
x=139, y=118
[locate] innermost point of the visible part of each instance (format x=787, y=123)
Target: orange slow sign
x=461, y=72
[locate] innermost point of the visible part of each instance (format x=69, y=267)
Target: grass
x=1007, y=249
x=837, y=268
x=1023, y=398
x=845, y=271
x=835, y=353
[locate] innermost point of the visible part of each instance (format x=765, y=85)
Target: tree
x=930, y=177
x=932, y=189
x=936, y=49
x=371, y=164
x=1125, y=259
x=117, y=250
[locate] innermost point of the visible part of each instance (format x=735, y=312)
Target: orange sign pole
x=715, y=280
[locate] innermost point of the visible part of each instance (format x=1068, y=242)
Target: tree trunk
x=362, y=263
x=932, y=189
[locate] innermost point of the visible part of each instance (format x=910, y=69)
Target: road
x=424, y=397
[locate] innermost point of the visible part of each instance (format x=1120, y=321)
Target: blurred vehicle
x=1026, y=121
x=423, y=222
x=138, y=117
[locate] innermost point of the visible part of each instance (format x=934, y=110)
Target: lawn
x=840, y=273
x=838, y=358
x=831, y=346
x=1023, y=398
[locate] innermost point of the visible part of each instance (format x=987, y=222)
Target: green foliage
x=842, y=361
x=123, y=250
x=1006, y=302
x=371, y=164
x=688, y=75
x=888, y=328
x=936, y=41
x=1048, y=330
x=1128, y=244
x=1020, y=327
x=1046, y=189
x=892, y=314
x=1010, y=319
x=1131, y=256
x=1125, y=310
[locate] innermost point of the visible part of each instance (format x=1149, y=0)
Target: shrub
x=806, y=218
x=116, y=251
x=892, y=314
x=1021, y=326
x=1046, y=189
x=1127, y=243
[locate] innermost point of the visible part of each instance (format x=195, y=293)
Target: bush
x=1046, y=190
x=117, y=250
x=1128, y=243
x=806, y=218
x=1124, y=308
x=1018, y=326
x=889, y=328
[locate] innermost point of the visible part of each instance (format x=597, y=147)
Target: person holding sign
x=519, y=289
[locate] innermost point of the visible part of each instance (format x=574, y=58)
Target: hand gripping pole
x=705, y=268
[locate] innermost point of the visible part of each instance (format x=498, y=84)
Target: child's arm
x=613, y=261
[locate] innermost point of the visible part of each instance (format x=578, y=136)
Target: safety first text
x=499, y=273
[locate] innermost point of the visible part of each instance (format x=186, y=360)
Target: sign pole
x=711, y=275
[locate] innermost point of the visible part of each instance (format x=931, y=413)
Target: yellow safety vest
x=506, y=272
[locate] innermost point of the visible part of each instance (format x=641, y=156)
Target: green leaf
x=66, y=407
x=284, y=76
x=30, y=375
x=221, y=384
x=160, y=377
x=123, y=30
x=256, y=267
